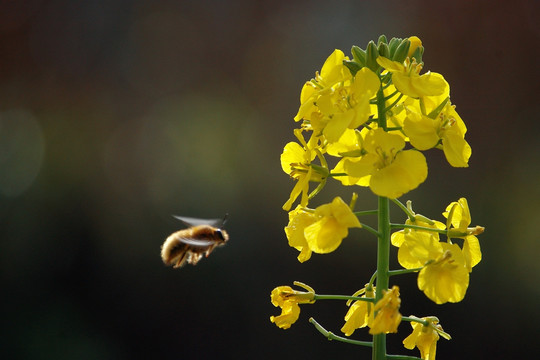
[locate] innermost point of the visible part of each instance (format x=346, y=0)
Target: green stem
x=383, y=247
x=402, y=357
x=404, y=208
x=404, y=271
x=370, y=229
x=415, y=319
x=417, y=227
x=331, y=336
x=373, y=277
x=366, y=212
x=342, y=297
x=317, y=189
x=381, y=120
x=383, y=259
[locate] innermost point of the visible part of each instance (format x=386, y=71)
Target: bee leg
x=181, y=261
x=207, y=252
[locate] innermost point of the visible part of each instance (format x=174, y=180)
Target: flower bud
x=384, y=50
x=382, y=40
x=393, y=45
x=402, y=50
x=372, y=53
x=359, y=55
x=415, y=44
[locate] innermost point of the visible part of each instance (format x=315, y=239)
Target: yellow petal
x=408, y=170
x=471, y=251
x=325, y=235
x=445, y=281
x=456, y=150
x=421, y=130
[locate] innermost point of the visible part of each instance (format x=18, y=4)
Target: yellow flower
x=458, y=215
x=418, y=248
x=387, y=316
x=348, y=107
x=320, y=230
x=407, y=79
x=335, y=100
x=288, y=299
x=425, y=337
x=447, y=131
x=445, y=279
x=331, y=227
x=296, y=161
x=415, y=44
x=360, y=314
x=349, y=144
x=299, y=219
x=290, y=312
x=458, y=219
x=332, y=72
x=398, y=237
x=391, y=171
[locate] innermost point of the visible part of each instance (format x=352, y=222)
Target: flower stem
x=342, y=297
x=370, y=229
x=404, y=271
x=402, y=357
x=383, y=255
x=331, y=336
x=404, y=208
x=422, y=228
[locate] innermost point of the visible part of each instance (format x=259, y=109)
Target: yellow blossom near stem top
x=392, y=171
x=348, y=107
x=445, y=130
x=415, y=44
x=296, y=160
x=425, y=337
x=387, y=318
x=407, y=79
x=335, y=100
x=332, y=72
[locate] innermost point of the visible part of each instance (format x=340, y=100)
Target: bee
x=189, y=245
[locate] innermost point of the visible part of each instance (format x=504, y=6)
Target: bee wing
x=197, y=242
x=189, y=221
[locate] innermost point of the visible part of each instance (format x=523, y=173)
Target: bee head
x=222, y=234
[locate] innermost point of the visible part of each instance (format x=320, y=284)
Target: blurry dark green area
x=115, y=115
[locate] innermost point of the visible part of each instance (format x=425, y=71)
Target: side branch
x=331, y=336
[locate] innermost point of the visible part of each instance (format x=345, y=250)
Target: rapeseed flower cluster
x=366, y=121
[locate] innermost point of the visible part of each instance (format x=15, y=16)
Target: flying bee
x=189, y=245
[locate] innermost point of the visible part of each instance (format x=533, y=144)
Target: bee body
x=189, y=245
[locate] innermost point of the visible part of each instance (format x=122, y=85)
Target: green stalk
x=383, y=259
x=383, y=248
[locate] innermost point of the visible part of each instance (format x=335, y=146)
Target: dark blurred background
x=116, y=114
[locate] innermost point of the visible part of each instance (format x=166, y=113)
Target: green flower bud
x=382, y=40
x=393, y=45
x=359, y=55
x=384, y=50
x=372, y=53
x=353, y=66
x=417, y=54
x=402, y=51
